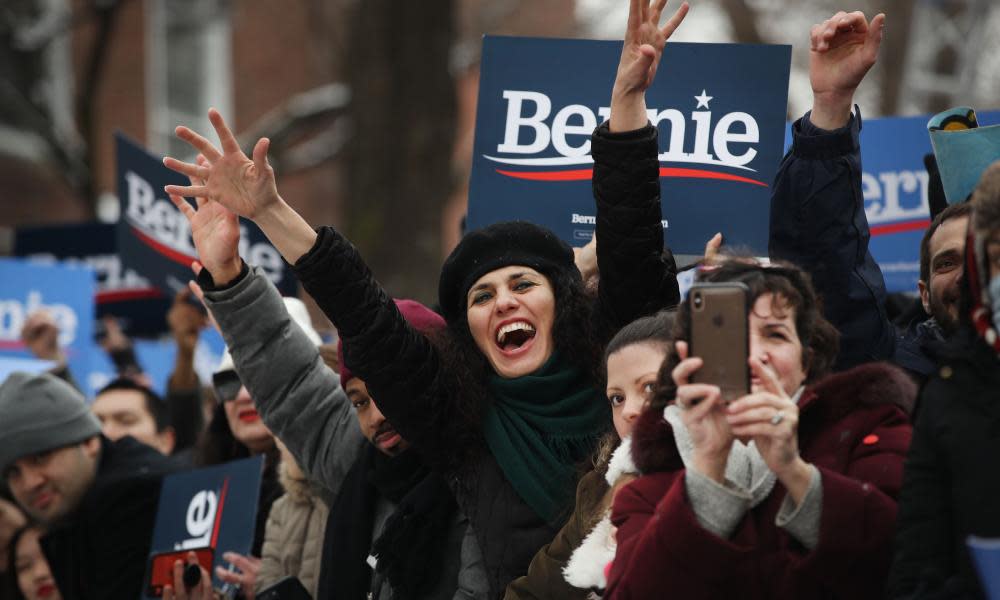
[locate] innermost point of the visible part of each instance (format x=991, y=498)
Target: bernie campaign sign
x=894, y=183
x=121, y=292
x=66, y=292
x=154, y=238
x=214, y=508
x=719, y=108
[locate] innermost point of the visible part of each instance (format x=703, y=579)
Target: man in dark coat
x=949, y=483
x=97, y=498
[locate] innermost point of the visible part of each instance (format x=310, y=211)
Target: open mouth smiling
x=512, y=336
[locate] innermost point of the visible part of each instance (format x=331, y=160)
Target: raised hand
x=229, y=177
x=40, y=335
x=641, y=51
x=842, y=50
x=769, y=417
x=185, y=321
x=214, y=228
x=704, y=415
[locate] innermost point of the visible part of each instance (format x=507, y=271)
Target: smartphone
x=286, y=588
x=720, y=336
x=161, y=567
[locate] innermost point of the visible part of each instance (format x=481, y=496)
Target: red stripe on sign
x=575, y=175
x=917, y=225
x=702, y=174
x=167, y=251
x=585, y=174
x=218, y=512
x=11, y=344
x=123, y=295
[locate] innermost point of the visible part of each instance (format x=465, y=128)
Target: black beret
x=497, y=246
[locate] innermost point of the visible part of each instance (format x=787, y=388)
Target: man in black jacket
x=97, y=498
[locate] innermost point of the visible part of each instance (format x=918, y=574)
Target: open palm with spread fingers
x=641, y=51
x=228, y=177
x=215, y=230
x=644, y=42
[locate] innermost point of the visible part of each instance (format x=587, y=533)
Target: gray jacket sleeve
x=299, y=398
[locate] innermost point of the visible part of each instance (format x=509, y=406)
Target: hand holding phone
x=162, y=572
x=720, y=336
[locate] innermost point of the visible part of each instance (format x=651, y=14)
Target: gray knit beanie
x=40, y=413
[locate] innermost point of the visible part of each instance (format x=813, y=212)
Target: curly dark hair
x=465, y=367
x=792, y=288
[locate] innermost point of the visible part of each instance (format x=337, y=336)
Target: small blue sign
x=895, y=183
x=213, y=507
x=65, y=292
x=154, y=238
x=719, y=108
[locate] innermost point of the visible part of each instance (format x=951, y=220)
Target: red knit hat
x=420, y=317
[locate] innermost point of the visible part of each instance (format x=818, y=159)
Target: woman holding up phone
x=789, y=491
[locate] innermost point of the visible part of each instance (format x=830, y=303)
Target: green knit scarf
x=539, y=427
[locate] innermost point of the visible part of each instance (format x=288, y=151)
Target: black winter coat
x=101, y=550
x=402, y=369
x=951, y=485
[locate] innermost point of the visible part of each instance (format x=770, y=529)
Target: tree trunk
x=403, y=117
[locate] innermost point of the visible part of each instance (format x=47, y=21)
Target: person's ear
x=92, y=446
x=925, y=295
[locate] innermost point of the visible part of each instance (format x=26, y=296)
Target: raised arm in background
x=818, y=217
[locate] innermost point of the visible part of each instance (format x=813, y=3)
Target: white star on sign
x=702, y=100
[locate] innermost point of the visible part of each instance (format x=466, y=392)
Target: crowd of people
x=544, y=431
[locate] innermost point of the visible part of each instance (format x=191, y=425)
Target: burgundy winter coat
x=853, y=427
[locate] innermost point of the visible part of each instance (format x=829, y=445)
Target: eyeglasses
x=227, y=385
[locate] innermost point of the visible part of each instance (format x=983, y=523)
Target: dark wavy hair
x=793, y=288
x=466, y=369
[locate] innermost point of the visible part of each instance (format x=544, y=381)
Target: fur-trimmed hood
x=828, y=400
x=299, y=490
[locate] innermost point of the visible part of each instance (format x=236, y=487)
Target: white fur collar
x=585, y=568
x=621, y=462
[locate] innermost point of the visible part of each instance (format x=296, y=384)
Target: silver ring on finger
x=777, y=418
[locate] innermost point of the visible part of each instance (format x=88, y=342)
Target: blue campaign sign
x=121, y=292
x=719, y=108
x=895, y=182
x=213, y=507
x=156, y=357
x=154, y=238
x=66, y=292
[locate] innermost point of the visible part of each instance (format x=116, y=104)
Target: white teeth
x=519, y=325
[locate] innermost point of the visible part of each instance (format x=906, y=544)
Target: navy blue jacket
x=818, y=222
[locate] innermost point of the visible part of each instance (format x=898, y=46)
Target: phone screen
x=161, y=567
